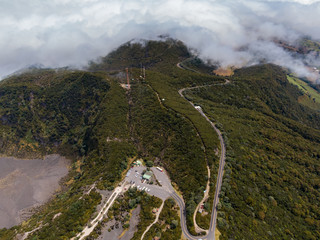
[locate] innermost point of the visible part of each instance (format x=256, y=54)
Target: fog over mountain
x=57, y=33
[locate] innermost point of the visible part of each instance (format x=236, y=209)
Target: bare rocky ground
x=26, y=184
x=117, y=229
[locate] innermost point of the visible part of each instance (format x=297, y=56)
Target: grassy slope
x=311, y=97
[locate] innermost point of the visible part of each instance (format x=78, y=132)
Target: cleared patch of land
x=224, y=71
x=311, y=97
x=27, y=183
x=116, y=232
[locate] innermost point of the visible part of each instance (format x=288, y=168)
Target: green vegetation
x=195, y=64
x=43, y=113
x=271, y=179
x=310, y=97
x=310, y=45
x=77, y=114
x=147, y=53
x=146, y=216
x=203, y=219
x=271, y=184
x=171, y=140
x=167, y=88
x=194, y=142
x=131, y=200
x=168, y=226
x=72, y=218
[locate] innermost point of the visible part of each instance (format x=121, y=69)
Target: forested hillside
x=78, y=114
x=273, y=145
x=45, y=110
x=271, y=183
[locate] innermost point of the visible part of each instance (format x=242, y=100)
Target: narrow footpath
x=154, y=222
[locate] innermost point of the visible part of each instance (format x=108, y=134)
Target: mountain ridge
x=80, y=113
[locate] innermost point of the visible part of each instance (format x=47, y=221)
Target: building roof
x=147, y=175
x=138, y=162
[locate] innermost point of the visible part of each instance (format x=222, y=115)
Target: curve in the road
x=211, y=233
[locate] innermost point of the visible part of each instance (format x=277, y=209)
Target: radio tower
x=128, y=80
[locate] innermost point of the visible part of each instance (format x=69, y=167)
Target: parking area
x=135, y=178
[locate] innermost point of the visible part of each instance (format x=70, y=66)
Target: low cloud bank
x=72, y=32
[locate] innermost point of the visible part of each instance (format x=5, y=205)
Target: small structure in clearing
x=138, y=163
x=148, y=175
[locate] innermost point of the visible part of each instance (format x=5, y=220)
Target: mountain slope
x=271, y=180
x=263, y=121
x=271, y=185
x=78, y=114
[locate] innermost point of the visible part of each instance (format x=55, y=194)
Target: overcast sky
x=57, y=33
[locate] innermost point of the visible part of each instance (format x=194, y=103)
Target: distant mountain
x=303, y=46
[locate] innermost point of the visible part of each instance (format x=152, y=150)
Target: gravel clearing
x=25, y=184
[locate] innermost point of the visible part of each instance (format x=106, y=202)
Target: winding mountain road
x=211, y=232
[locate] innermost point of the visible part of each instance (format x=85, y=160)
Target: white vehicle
x=143, y=188
x=139, y=187
x=160, y=169
x=148, y=190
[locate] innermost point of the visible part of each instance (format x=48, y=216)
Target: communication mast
x=128, y=80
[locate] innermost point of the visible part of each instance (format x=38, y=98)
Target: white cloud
x=72, y=32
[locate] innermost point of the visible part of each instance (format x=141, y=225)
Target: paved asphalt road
x=210, y=235
x=164, y=191
x=134, y=176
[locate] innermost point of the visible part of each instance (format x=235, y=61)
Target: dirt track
x=27, y=183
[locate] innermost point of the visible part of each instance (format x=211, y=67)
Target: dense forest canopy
x=271, y=184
